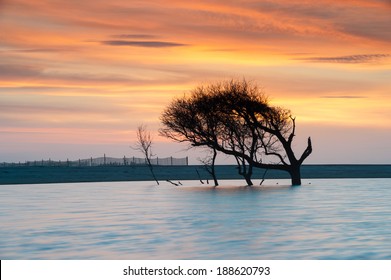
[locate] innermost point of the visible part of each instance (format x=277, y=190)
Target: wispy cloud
x=343, y=97
x=296, y=9
x=39, y=50
x=8, y=71
x=133, y=36
x=145, y=44
x=361, y=58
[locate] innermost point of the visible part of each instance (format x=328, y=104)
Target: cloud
x=133, y=36
x=364, y=19
x=145, y=44
x=24, y=71
x=343, y=96
x=39, y=50
x=56, y=76
x=361, y=58
x=372, y=24
x=299, y=10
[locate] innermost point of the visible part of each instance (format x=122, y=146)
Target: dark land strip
x=56, y=174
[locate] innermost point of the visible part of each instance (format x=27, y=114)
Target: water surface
x=323, y=219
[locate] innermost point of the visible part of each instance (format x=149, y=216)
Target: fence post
x=115, y=161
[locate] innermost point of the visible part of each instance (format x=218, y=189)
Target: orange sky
x=78, y=77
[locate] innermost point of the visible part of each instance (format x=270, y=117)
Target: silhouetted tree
x=235, y=118
x=144, y=145
x=209, y=164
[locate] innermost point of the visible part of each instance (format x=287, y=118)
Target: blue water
x=323, y=219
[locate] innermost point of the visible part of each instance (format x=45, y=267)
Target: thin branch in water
x=175, y=184
x=199, y=176
x=263, y=177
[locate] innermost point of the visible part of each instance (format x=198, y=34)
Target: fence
x=103, y=161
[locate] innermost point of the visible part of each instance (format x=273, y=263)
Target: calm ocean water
x=323, y=219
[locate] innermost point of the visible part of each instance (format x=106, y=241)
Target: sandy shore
x=37, y=174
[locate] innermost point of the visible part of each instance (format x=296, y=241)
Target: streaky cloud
x=343, y=96
x=361, y=58
x=146, y=44
x=133, y=36
x=13, y=70
x=40, y=50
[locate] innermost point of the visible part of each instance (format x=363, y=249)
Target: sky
x=78, y=77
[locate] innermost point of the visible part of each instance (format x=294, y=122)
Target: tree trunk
x=213, y=173
x=244, y=170
x=295, y=174
x=215, y=180
x=248, y=175
x=248, y=180
x=213, y=170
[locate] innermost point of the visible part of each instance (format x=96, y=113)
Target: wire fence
x=103, y=161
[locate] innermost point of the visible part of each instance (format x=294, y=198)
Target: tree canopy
x=235, y=118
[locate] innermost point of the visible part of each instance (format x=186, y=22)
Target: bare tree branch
x=144, y=145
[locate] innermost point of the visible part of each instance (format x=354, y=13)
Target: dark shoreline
x=55, y=174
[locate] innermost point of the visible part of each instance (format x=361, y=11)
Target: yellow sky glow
x=72, y=71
